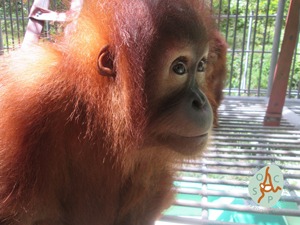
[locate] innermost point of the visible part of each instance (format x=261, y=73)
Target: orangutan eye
x=202, y=65
x=179, y=68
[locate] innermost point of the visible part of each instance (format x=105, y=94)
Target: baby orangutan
x=92, y=125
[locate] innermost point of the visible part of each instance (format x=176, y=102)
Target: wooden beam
x=282, y=70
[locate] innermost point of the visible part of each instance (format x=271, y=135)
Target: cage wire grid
x=213, y=189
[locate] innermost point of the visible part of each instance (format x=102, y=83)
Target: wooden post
x=282, y=70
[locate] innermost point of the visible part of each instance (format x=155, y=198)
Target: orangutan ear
x=105, y=62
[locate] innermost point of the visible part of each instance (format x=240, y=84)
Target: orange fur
x=72, y=141
x=216, y=72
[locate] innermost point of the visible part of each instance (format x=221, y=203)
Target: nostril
x=196, y=104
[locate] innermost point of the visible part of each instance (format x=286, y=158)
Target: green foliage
x=13, y=21
x=257, y=17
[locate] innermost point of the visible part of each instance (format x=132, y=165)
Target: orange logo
x=265, y=187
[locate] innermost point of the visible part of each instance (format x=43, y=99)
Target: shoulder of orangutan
x=32, y=98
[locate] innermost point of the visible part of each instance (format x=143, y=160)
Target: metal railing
x=214, y=188
x=253, y=30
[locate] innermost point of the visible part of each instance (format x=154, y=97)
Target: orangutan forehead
x=182, y=20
